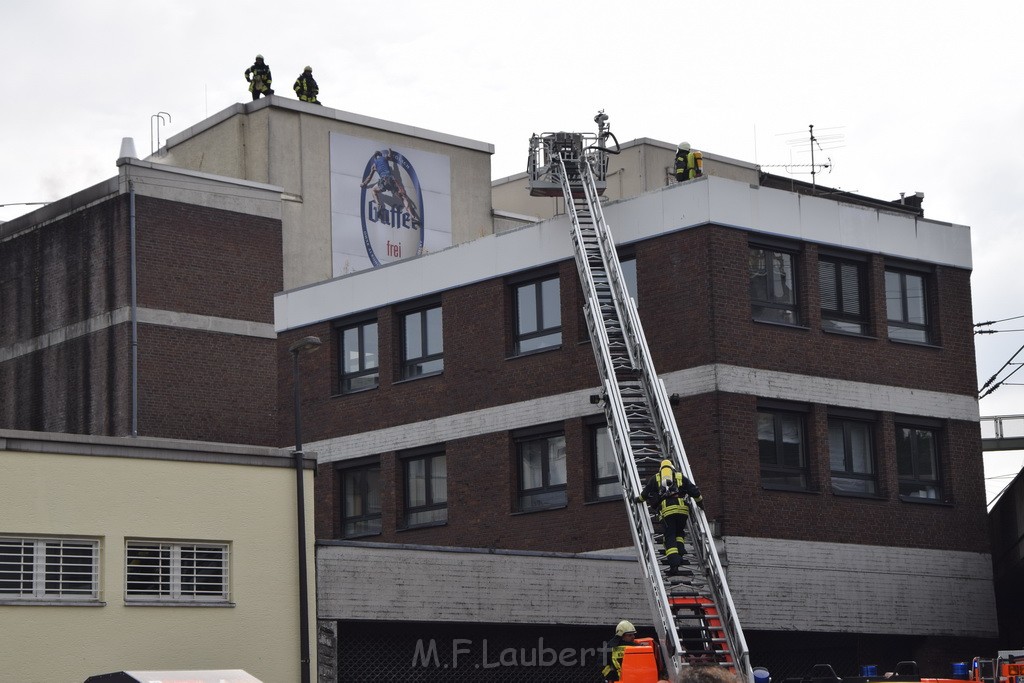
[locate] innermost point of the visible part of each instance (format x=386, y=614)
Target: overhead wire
x=991, y=384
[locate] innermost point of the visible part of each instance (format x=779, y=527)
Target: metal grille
x=182, y=572
x=49, y=569
x=384, y=652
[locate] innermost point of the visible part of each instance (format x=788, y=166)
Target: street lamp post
x=304, y=344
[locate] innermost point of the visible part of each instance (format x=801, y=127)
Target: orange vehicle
x=641, y=661
x=1007, y=667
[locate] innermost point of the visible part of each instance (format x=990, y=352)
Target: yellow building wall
x=113, y=498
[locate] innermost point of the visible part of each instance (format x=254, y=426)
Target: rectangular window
x=426, y=490
x=358, y=357
x=538, y=315
x=47, y=569
x=780, y=440
x=423, y=343
x=606, y=472
x=176, y=572
x=360, y=493
x=917, y=462
x=628, y=264
x=542, y=474
x=852, y=454
x=843, y=295
x=906, y=305
x=773, y=285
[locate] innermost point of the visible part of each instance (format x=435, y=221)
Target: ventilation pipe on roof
x=134, y=311
x=127, y=149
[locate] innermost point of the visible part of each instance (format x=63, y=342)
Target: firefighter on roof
x=258, y=76
x=689, y=164
x=305, y=86
x=668, y=488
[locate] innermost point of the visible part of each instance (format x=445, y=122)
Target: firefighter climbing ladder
x=694, y=615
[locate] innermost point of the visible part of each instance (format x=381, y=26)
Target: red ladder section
x=701, y=632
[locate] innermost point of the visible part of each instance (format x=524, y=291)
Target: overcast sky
x=908, y=96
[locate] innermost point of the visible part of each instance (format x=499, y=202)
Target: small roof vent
x=127, y=149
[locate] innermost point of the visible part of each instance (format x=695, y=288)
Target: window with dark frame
x=538, y=315
x=628, y=264
x=358, y=358
x=917, y=462
x=783, y=456
x=906, y=303
x=605, y=472
x=852, y=456
x=773, y=293
x=542, y=472
x=426, y=489
x=423, y=343
x=48, y=569
x=844, y=306
x=360, y=501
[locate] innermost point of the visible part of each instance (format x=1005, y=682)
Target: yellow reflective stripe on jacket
x=618, y=652
x=679, y=507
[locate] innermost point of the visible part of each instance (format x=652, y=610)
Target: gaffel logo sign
x=391, y=208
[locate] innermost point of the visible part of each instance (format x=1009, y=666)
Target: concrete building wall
x=761, y=211
x=643, y=165
x=1007, y=529
x=108, y=489
x=855, y=588
x=287, y=143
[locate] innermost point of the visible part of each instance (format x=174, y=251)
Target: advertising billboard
x=387, y=203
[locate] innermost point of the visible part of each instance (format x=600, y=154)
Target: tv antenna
x=820, y=142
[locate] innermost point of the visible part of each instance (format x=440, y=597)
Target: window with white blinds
x=176, y=572
x=843, y=295
x=49, y=569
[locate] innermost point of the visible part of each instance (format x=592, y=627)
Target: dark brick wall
x=56, y=275
x=192, y=384
x=746, y=508
x=695, y=306
x=207, y=261
x=482, y=501
x=64, y=272
x=206, y=386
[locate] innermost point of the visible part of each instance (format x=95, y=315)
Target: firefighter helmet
x=308, y=69
x=259, y=57
x=666, y=463
x=685, y=146
x=623, y=628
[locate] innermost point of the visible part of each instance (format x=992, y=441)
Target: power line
x=996, y=322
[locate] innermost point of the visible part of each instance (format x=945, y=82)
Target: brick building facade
x=205, y=278
x=878, y=526
x=819, y=350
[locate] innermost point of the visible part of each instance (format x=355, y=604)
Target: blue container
x=867, y=670
x=761, y=675
x=960, y=670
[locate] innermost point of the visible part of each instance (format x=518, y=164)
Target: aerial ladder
x=694, y=615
